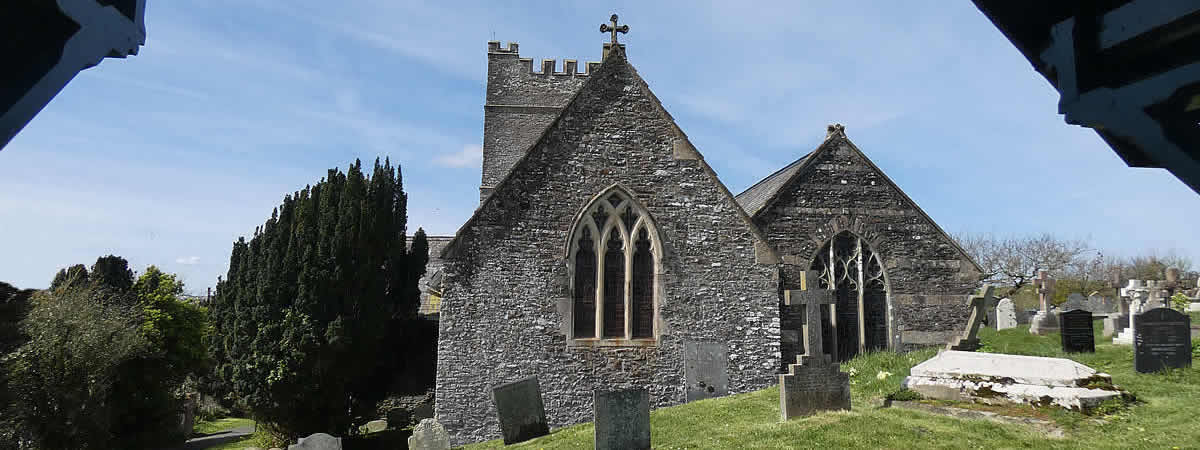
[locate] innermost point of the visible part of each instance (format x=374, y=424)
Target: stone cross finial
x=812, y=297
x=614, y=29
x=1045, y=288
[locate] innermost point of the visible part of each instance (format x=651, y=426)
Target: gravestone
x=1161, y=340
x=1075, y=301
x=1138, y=292
x=815, y=383
x=969, y=341
x=1078, y=336
x=622, y=419
x=317, y=441
x=376, y=426
x=1006, y=314
x=705, y=370
x=1045, y=321
x=520, y=409
x=429, y=435
x=1099, y=304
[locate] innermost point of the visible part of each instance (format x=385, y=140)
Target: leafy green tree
x=63, y=377
x=14, y=307
x=76, y=275
x=173, y=326
x=302, y=320
x=112, y=272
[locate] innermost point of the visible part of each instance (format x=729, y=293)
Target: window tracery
x=614, y=258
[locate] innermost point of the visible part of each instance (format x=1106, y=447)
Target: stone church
x=606, y=253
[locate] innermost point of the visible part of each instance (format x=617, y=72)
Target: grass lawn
x=1163, y=417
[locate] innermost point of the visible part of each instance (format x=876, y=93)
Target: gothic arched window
x=848, y=266
x=614, y=258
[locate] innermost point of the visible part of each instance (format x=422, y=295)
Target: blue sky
x=167, y=157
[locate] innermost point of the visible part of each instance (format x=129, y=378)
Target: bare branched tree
x=1015, y=261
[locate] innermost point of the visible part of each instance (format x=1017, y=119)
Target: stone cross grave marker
x=622, y=419
x=1044, y=321
x=814, y=383
x=1161, y=340
x=520, y=409
x=1006, y=314
x=705, y=370
x=969, y=341
x=1078, y=336
x=1138, y=294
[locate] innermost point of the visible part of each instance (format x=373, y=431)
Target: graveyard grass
x=1160, y=418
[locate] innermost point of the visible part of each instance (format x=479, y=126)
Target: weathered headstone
x=1075, y=301
x=814, y=383
x=1006, y=314
x=429, y=435
x=376, y=426
x=317, y=441
x=1078, y=336
x=1045, y=321
x=969, y=341
x=705, y=370
x=187, y=417
x=1162, y=340
x=622, y=419
x=1099, y=304
x=520, y=409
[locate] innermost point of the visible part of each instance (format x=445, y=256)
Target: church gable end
x=839, y=208
x=611, y=175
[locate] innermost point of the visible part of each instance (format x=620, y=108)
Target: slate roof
x=756, y=197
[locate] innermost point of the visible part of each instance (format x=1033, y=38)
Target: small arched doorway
x=848, y=266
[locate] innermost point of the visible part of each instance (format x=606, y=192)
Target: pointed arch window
x=614, y=258
x=848, y=266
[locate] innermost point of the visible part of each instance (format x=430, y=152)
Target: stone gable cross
x=812, y=297
x=1045, y=288
x=614, y=29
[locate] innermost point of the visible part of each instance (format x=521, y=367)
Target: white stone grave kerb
x=998, y=378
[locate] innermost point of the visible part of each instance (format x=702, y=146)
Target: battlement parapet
x=570, y=67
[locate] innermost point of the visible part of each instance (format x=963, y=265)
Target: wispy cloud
x=188, y=260
x=469, y=156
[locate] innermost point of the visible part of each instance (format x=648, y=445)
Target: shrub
x=63, y=377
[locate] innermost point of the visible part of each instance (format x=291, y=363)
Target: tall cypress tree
x=309, y=303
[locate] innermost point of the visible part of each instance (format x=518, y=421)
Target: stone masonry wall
x=505, y=314
x=928, y=276
x=520, y=104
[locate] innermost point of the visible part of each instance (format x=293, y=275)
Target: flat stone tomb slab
x=622, y=419
x=521, y=411
x=997, y=378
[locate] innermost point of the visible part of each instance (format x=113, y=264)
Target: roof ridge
x=775, y=173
